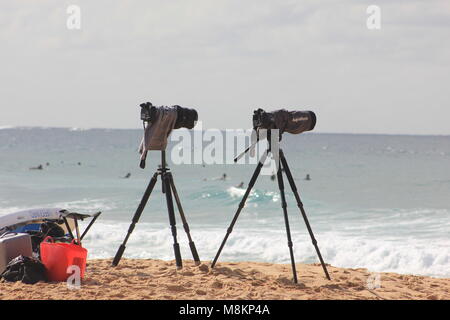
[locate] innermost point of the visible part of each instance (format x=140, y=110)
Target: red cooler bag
x=57, y=257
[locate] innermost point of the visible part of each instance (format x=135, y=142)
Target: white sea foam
x=270, y=245
x=7, y=210
x=83, y=205
x=238, y=192
x=235, y=192
x=86, y=204
x=78, y=129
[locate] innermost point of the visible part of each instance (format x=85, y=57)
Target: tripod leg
x=136, y=217
x=241, y=205
x=302, y=210
x=168, y=192
x=183, y=219
x=286, y=221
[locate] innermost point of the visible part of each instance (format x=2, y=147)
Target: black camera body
x=263, y=119
x=186, y=117
x=148, y=111
x=294, y=122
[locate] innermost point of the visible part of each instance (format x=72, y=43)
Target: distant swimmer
x=39, y=167
x=307, y=177
x=47, y=164
x=272, y=177
x=79, y=163
x=127, y=175
x=240, y=185
x=224, y=177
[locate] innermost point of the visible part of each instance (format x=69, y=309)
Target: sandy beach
x=157, y=279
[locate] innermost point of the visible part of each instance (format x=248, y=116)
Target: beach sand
x=157, y=279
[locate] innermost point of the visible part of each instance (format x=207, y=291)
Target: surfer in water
x=127, y=175
x=307, y=178
x=240, y=185
x=224, y=177
x=39, y=167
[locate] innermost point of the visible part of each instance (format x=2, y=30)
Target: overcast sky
x=226, y=58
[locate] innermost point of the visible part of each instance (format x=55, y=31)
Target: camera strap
x=144, y=153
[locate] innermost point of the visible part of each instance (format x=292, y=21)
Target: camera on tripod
x=185, y=117
x=294, y=122
x=158, y=123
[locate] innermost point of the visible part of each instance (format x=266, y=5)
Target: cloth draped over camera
x=157, y=132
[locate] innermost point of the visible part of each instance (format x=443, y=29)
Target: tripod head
x=259, y=137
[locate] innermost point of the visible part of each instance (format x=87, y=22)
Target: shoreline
x=152, y=279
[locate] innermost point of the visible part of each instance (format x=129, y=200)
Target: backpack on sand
x=25, y=269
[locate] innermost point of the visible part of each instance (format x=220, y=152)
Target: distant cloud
x=226, y=58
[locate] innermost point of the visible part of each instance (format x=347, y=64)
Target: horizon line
x=5, y=127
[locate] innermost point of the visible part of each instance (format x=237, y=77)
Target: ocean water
x=380, y=202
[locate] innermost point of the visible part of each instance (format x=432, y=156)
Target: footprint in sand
x=203, y=268
x=142, y=274
x=176, y=288
x=331, y=286
x=200, y=292
x=217, y=284
x=257, y=283
x=289, y=283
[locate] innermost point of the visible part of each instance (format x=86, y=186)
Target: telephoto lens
x=186, y=118
x=294, y=122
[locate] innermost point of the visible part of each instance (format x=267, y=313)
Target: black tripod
x=168, y=187
x=281, y=166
